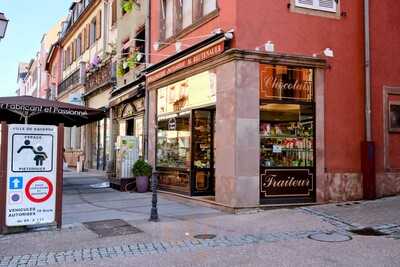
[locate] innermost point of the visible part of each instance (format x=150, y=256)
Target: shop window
x=173, y=142
x=177, y=15
x=394, y=116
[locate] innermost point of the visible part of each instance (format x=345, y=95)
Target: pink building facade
x=263, y=103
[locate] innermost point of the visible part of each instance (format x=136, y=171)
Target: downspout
x=368, y=146
x=147, y=100
x=368, y=128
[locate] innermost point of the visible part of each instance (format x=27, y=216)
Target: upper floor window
x=176, y=15
x=114, y=12
x=92, y=32
x=322, y=5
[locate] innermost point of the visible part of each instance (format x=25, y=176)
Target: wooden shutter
x=163, y=13
x=324, y=5
x=197, y=9
x=84, y=40
x=73, y=51
x=114, y=12
x=178, y=15
x=98, y=25
x=87, y=44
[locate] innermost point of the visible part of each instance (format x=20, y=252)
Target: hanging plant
x=120, y=70
x=129, y=5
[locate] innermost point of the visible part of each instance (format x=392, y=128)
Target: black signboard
x=297, y=185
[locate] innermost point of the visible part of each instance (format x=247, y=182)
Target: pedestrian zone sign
x=31, y=174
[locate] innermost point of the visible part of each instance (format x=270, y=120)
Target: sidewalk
x=277, y=237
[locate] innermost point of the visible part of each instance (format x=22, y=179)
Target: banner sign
x=31, y=174
x=286, y=183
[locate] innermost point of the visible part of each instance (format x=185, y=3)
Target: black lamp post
x=3, y=25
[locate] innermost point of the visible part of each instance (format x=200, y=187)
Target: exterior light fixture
x=328, y=52
x=156, y=45
x=178, y=46
x=269, y=46
x=3, y=25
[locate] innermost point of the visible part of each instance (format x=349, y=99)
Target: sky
x=29, y=20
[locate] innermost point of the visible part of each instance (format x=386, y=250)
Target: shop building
x=84, y=44
x=127, y=103
x=252, y=115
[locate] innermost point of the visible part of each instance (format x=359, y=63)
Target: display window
x=287, y=135
x=173, y=142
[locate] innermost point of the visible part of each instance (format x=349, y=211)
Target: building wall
x=298, y=33
x=225, y=20
x=128, y=25
x=95, y=49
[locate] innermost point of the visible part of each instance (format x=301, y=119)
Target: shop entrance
x=203, y=167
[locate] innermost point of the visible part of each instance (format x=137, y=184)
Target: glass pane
x=202, y=139
x=186, y=13
x=173, y=143
x=209, y=6
x=287, y=135
x=139, y=133
x=169, y=18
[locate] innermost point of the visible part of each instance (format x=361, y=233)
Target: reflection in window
x=173, y=142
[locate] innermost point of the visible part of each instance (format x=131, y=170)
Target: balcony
x=70, y=82
x=100, y=77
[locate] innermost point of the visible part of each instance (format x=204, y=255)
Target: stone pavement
x=278, y=237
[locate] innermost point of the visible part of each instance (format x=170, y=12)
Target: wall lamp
x=3, y=25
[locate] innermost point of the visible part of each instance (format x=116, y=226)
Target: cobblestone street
x=265, y=236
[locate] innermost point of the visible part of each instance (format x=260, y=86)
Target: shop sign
x=206, y=53
x=286, y=83
x=31, y=174
x=286, y=183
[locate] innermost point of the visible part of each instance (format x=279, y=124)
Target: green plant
x=120, y=70
x=128, y=5
x=142, y=168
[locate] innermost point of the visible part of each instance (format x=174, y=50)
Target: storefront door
x=203, y=181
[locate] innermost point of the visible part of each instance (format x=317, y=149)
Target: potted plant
x=129, y=5
x=142, y=170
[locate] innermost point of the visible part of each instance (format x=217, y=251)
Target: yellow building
x=86, y=76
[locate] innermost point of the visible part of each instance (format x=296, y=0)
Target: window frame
x=321, y=12
x=178, y=31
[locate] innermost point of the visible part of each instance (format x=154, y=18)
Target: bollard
x=154, y=212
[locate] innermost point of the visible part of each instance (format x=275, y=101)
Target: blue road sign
x=15, y=183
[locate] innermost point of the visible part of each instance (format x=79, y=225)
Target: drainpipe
x=147, y=100
x=367, y=146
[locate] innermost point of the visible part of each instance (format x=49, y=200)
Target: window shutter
x=197, y=9
x=327, y=5
x=87, y=36
x=114, y=12
x=178, y=15
x=98, y=25
x=73, y=51
x=324, y=5
x=162, y=20
x=84, y=40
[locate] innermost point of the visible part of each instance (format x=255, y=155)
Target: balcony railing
x=69, y=82
x=99, y=77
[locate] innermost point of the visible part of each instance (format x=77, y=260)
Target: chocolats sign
x=198, y=57
x=286, y=83
x=286, y=183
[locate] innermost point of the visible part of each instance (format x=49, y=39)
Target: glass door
x=203, y=152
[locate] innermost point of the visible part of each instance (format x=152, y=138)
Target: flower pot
x=142, y=184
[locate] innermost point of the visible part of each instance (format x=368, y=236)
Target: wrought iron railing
x=69, y=82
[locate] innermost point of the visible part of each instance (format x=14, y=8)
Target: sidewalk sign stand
x=27, y=192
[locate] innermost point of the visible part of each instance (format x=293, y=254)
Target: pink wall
x=226, y=21
x=385, y=68
x=306, y=34
x=295, y=33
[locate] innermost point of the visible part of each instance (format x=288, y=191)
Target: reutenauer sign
x=31, y=175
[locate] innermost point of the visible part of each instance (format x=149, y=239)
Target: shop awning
x=32, y=110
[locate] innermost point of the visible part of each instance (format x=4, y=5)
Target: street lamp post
x=3, y=25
